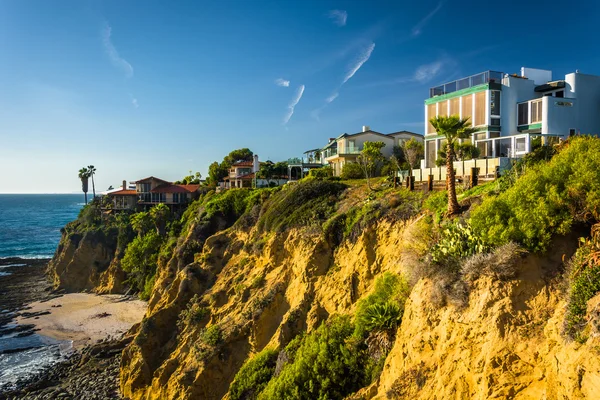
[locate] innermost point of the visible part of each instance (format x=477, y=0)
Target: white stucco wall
x=557, y=116
x=586, y=89
x=514, y=90
x=359, y=141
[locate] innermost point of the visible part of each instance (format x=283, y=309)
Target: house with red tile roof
x=243, y=174
x=151, y=191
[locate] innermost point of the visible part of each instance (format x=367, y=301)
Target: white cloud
x=339, y=17
x=113, y=54
x=418, y=28
x=427, y=72
x=363, y=58
x=135, y=103
x=332, y=97
x=293, y=104
x=282, y=82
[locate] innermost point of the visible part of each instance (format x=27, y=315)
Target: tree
x=369, y=158
x=84, y=176
x=266, y=171
x=191, y=179
x=452, y=128
x=280, y=169
x=462, y=152
x=92, y=172
x=160, y=215
x=141, y=223
x=413, y=151
x=244, y=154
x=218, y=171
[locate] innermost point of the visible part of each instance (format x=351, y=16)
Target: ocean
x=29, y=229
x=30, y=223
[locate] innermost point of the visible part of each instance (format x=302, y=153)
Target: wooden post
x=474, y=176
x=411, y=184
x=430, y=183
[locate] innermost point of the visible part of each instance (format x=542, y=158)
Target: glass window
x=520, y=145
x=523, y=114
x=495, y=102
x=431, y=156
x=479, y=109
x=455, y=106
x=536, y=111
x=467, y=107
x=431, y=113
x=495, y=122
x=560, y=93
x=443, y=108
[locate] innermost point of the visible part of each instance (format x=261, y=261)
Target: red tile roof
x=123, y=193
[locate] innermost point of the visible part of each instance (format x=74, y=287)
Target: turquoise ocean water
x=30, y=223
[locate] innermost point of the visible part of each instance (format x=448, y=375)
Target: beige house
x=151, y=191
x=346, y=148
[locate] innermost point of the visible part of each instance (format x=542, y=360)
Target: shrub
x=383, y=308
x=326, y=365
x=437, y=203
x=500, y=264
x=352, y=170
x=212, y=336
x=193, y=314
x=305, y=203
x=148, y=286
x=254, y=375
x=547, y=199
x=321, y=173
x=141, y=257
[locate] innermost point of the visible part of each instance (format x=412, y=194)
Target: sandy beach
x=85, y=318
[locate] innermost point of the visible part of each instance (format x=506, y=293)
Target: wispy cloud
x=332, y=97
x=135, y=103
x=282, y=82
x=363, y=58
x=427, y=72
x=339, y=17
x=113, y=54
x=293, y=103
x=418, y=28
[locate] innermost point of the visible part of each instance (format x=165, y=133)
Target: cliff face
x=506, y=342
x=261, y=291
x=86, y=261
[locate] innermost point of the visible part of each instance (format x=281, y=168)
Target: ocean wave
x=12, y=265
x=29, y=257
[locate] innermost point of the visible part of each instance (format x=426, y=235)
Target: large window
x=455, y=106
x=479, y=109
x=431, y=113
x=536, y=111
x=467, y=107
x=431, y=154
x=495, y=102
x=443, y=108
x=520, y=145
x=523, y=113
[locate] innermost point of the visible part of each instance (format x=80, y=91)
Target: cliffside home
x=151, y=191
x=243, y=175
x=514, y=113
x=346, y=148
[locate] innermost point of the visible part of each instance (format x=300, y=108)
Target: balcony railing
x=464, y=83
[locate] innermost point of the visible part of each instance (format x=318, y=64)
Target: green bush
x=148, y=286
x=254, y=375
x=321, y=173
x=437, y=203
x=352, y=170
x=194, y=313
x=325, y=364
x=383, y=308
x=302, y=204
x=545, y=200
x=584, y=280
x=141, y=257
x=212, y=336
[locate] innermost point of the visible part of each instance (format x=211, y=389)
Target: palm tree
x=452, y=128
x=92, y=171
x=84, y=174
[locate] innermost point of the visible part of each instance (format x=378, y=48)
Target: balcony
x=465, y=83
x=550, y=115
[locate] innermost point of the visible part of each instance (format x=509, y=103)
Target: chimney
x=255, y=164
x=331, y=139
x=366, y=128
x=124, y=185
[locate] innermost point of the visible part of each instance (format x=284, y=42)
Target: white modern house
x=514, y=113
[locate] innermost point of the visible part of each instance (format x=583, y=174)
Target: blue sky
x=142, y=88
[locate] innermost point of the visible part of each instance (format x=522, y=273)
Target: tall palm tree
x=92, y=171
x=452, y=128
x=84, y=174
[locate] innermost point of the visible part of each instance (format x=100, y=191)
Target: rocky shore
x=90, y=372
